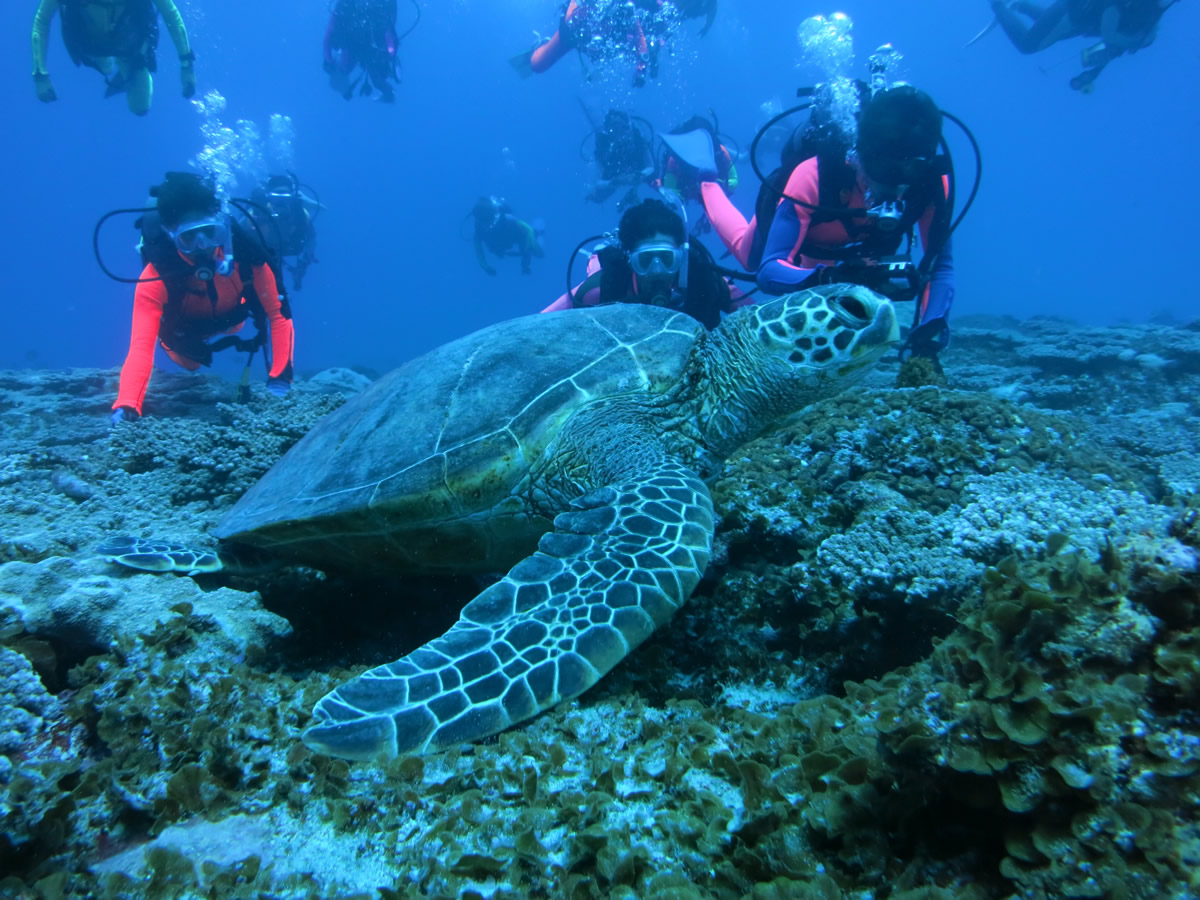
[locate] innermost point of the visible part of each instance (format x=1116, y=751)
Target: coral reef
x=948, y=647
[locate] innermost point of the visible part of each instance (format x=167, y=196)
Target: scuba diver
x=504, y=234
x=689, y=9
x=843, y=213
x=1123, y=26
x=622, y=155
x=289, y=229
x=599, y=31
x=604, y=31
x=362, y=34
x=117, y=38
x=204, y=275
x=653, y=262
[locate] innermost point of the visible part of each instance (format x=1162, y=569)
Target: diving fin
x=116, y=85
x=521, y=63
x=987, y=29
x=695, y=148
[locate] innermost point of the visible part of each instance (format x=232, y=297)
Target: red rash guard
x=149, y=301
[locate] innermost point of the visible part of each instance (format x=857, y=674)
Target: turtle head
x=828, y=335
x=771, y=360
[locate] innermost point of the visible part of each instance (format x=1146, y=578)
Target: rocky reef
x=949, y=646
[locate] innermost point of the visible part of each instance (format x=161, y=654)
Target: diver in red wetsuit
x=608, y=31
x=203, y=277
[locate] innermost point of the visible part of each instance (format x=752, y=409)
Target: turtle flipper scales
x=158, y=556
x=614, y=569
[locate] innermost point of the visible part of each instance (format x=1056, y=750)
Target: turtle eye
x=849, y=309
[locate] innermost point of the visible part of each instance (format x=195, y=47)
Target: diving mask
x=657, y=258
x=197, y=237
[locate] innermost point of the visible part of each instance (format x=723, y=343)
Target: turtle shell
x=429, y=468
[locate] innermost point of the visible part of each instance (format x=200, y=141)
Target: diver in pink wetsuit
x=361, y=34
x=839, y=218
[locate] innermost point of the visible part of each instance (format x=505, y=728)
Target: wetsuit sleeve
x=939, y=293
x=735, y=233
x=41, y=30
x=179, y=36
x=149, y=299
x=587, y=292
x=529, y=242
x=778, y=274
x=283, y=335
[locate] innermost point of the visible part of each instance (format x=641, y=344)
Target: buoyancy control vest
x=133, y=34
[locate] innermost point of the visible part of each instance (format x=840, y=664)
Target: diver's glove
x=187, y=74
x=817, y=275
x=122, y=414
x=277, y=387
x=928, y=340
x=45, y=88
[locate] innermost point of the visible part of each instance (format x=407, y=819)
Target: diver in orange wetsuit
x=203, y=277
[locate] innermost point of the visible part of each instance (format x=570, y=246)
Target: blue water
x=1086, y=208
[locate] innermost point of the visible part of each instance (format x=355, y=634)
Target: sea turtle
x=575, y=445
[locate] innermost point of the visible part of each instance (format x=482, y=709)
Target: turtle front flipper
x=159, y=556
x=614, y=569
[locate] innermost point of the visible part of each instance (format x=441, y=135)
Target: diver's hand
x=122, y=414
x=489, y=270
x=927, y=340
x=45, y=88
x=187, y=74
x=817, y=275
x=277, y=387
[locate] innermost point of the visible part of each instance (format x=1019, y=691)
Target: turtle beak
x=885, y=329
x=873, y=340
